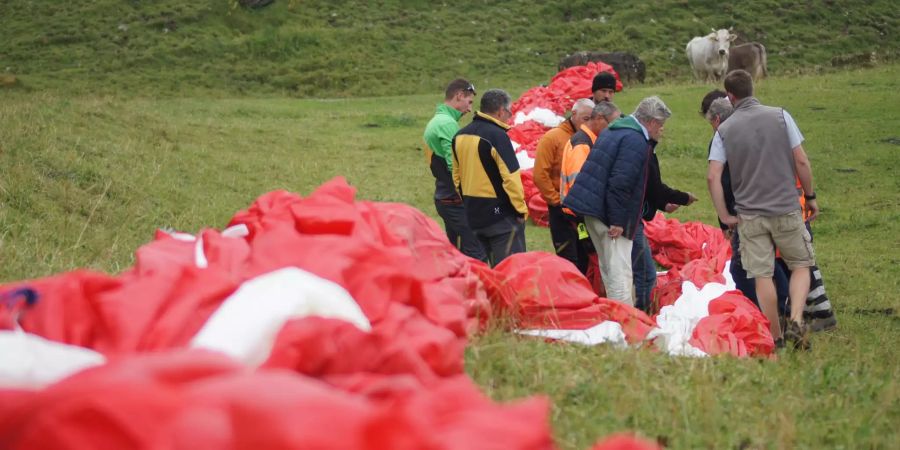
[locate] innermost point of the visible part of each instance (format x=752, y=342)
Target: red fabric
x=575, y=82
x=735, y=326
x=527, y=135
x=537, y=207
x=550, y=292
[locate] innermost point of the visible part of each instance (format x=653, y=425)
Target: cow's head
x=721, y=41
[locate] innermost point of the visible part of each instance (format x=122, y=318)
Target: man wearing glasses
x=438, y=148
x=486, y=174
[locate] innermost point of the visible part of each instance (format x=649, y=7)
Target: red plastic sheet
x=550, y=292
x=734, y=326
x=195, y=399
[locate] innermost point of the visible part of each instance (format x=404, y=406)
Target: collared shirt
x=643, y=128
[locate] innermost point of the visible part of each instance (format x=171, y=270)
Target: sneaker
x=818, y=324
x=797, y=336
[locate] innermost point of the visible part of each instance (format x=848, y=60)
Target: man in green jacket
x=438, y=148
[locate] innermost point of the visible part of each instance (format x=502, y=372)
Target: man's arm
x=714, y=183
x=804, y=174
x=542, y=166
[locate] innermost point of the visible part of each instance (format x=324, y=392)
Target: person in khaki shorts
x=763, y=148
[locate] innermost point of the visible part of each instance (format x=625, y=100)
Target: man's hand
x=521, y=219
x=812, y=210
x=615, y=231
x=729, y=233
x=691, y=198
x=671, y=207
x=729, y=220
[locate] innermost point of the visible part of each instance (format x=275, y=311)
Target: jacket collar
x=449, y=110
x=568, y=126
x=482, y=116
x=746, y=103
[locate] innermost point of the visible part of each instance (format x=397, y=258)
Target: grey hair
x=604, y=109
x=721, y=108
x=494, y=100
x=652, y=108
x=583, y=103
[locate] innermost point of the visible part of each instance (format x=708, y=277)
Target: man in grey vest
x=763, y=148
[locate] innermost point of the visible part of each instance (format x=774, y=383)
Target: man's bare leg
x=768, y=302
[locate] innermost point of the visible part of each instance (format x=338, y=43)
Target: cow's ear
x=712, y=37
x=732, y=37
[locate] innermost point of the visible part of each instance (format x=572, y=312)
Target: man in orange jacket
x=546, y=177
x=574, y=154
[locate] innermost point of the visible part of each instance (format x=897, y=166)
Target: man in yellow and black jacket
x=486, y=174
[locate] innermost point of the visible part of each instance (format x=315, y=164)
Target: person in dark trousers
x=715, y=108
x=546, y=177
x=658, y=197
x=486, y=174
x=763, y=148
x=575, y=153
x=438, y=145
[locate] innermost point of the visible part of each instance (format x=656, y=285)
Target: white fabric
x=525, y=162
x=795, y=137
x=615, y=261
x=608, y=332
x=28, y=361
x=247, y=322
x=675, y=323
x=540, y=115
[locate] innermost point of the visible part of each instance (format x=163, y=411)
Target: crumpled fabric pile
x=358, y=311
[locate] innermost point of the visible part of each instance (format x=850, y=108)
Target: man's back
x=758, y=149
x=487, y=172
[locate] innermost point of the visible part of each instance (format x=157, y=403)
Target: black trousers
x=564, y=233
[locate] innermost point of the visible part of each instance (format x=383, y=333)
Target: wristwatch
x=810, y=196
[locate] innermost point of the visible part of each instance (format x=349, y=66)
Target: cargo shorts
x=761, y=235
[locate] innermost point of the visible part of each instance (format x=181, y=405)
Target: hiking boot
x=797, y=336
x=818, y=324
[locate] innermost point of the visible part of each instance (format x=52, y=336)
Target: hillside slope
x=342, y=48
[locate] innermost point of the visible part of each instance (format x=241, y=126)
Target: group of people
x=600, y=176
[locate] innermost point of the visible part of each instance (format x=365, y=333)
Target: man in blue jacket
x=609, y=191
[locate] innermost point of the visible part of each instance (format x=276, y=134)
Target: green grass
x=86, y=179
x=390, y=47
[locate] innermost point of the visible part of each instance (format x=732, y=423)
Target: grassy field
x=390, y=47
x=86, y=179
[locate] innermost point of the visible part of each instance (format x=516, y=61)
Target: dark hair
x=458, y=85
x=709, y=98
x=494, y=100
x=739, y=83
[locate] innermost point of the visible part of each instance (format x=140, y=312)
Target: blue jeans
x=643, y=269
x=748, y=285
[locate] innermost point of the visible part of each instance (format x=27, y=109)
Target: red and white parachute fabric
x=355, y=311
x=542, y=108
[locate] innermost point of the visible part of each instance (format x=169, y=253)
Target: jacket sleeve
x=542, y=166
x=446, y=132
x=658, y=193
x=629, y=162
x=505, y=157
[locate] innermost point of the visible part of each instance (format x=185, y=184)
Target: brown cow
x=750, y=57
